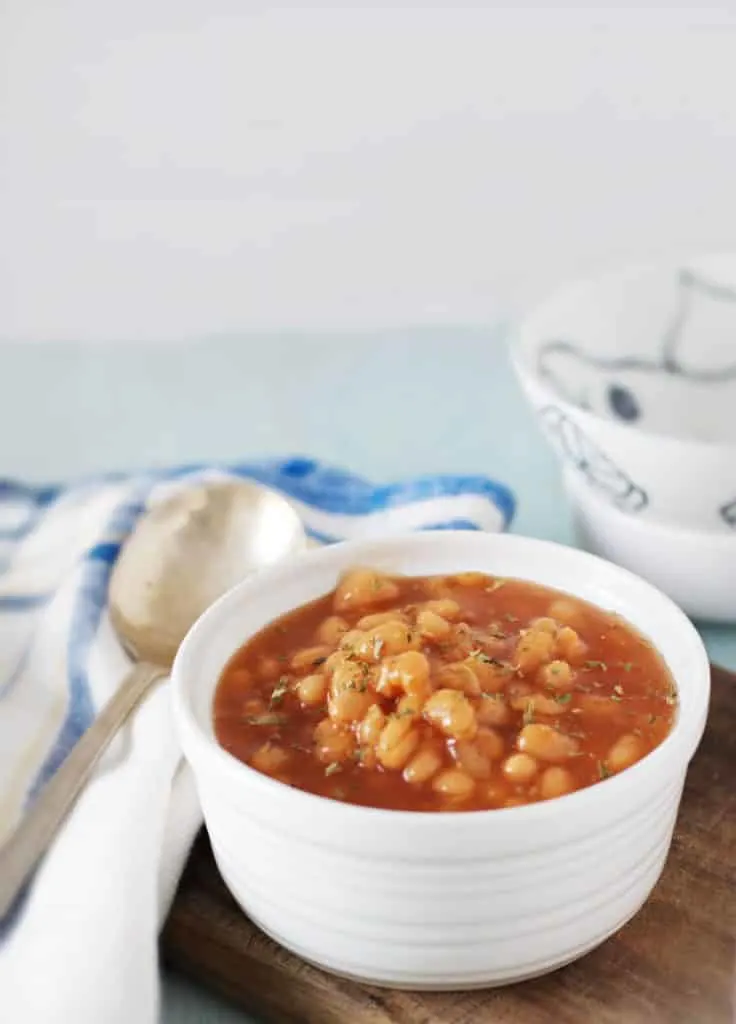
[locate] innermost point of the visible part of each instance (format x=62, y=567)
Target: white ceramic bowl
x=697, y=569
x=633, y=379
x=439, y=901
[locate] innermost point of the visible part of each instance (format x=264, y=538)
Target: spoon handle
x=25, y=847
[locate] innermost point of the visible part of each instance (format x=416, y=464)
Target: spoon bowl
x=187, y=551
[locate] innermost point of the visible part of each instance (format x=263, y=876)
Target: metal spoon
x=183, y=554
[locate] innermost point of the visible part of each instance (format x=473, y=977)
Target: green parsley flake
x=279, y=691
x=603, y=771
x=597, y=664
x=270, y=718
x=529, y=712
x=563, y=698
x=333, y=767
x=487, y=659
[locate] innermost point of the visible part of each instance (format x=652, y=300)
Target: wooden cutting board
x=674, y=963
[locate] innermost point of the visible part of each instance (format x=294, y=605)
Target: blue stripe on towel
x=333, y=490
x=450, y=524
x=88, y=610
x=328, y=488
x=35, y=500
x=21, y=602
x=453, y=524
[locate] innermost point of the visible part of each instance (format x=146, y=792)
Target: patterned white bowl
x=633, y=379
x=439, y=901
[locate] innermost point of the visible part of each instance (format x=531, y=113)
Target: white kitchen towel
x=80, y=946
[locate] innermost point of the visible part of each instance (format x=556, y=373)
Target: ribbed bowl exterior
x=437, y=900
x=438, y=919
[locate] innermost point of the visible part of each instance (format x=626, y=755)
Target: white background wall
x=171, y=168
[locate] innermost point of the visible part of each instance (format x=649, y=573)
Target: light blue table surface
x=386, y=405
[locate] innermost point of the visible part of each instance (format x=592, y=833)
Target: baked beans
x=463, y=692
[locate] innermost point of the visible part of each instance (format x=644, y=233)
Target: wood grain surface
x=674, y=963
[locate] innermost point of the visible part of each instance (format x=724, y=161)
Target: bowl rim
x=681, y=742
x=531, y=322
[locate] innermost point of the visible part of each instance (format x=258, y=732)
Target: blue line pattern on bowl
x=628, y=387
x=594, y=465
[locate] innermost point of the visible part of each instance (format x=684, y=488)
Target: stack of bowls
x=633, y=380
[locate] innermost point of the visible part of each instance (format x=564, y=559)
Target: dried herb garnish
x=269, y=718
x=480, y=655
x=360, y=686
x=333, y=767
x=279, y=691
x=563, y=698
x=529, y=713
x=603, y=771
